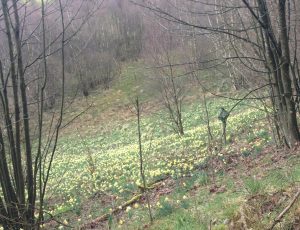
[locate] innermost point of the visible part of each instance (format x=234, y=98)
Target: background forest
x=149, y=114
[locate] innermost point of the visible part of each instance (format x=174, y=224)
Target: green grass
x=200, y=209
x=254, y=186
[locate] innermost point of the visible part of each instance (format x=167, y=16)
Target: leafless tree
x=169, y=84
x=28, y=137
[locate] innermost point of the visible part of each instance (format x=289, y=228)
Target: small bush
x=253, y=186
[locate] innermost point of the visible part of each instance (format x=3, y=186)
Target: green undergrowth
x=106, y=162
x=96, y=168
x=204, y=209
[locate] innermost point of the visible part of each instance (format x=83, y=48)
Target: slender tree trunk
x=291, y=127
x=141, y=158
x=14, y=139
x=29, y=169
x=209, y=133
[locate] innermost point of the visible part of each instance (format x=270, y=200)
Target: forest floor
x=95, y=181
x=242, y=192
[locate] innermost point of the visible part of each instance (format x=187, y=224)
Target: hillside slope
x=95, y=180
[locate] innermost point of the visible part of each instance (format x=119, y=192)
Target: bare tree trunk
x=291, y=127
x=14, y=139
x=209, y=133
x=29, y=173
x=142, y=170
